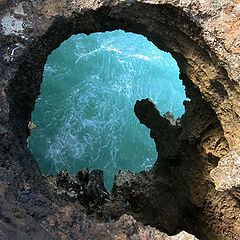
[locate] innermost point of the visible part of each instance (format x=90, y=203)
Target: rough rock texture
x=85, y=190
x=226, y=174
x=199, y=152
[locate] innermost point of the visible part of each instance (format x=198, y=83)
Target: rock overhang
x=201, y=35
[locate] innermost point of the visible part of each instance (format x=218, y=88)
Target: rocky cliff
x=194, y=186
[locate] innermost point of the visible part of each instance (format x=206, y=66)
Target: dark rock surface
x=85, y=189
x=194, y=184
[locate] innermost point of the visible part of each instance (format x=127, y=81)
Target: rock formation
x=193, y=187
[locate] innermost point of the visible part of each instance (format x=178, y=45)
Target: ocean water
x=84, y=114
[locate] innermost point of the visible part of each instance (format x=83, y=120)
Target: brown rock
x=203, y=37
x=226, y=174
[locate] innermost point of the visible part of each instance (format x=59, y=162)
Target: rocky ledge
x=194, y=186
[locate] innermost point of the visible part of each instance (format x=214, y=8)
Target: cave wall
x=203, y=36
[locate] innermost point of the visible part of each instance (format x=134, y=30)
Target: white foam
x=140, y=56
x=88, y=54
x=111, y=48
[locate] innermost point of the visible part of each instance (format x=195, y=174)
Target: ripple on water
x=84, y=115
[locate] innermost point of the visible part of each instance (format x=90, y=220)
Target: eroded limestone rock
x=203, y=37
x=226, y=174
x=122, y=177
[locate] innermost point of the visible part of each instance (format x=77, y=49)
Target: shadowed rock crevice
x=172, y=196
x=179, y=192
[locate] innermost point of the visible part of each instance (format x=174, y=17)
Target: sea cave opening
x=84, y=115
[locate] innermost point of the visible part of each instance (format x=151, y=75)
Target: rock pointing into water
x=148, y=114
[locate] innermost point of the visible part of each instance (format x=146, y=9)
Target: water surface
x=84, y=114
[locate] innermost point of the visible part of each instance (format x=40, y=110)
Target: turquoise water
x=84, y=114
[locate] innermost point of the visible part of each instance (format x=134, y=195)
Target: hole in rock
x=84, y=115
